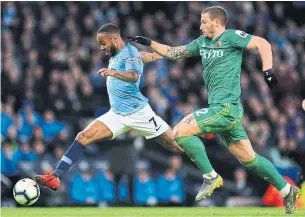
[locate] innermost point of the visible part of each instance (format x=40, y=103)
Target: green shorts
x=223, y=119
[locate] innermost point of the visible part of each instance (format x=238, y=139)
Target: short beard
x=113, y=50
x=209, y=35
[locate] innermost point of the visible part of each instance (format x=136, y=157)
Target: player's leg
x=106, y=126
x=167, y=140
x=184, y=134
x=237, y=141
x=204, y=121
x=259, y=165
x=93, y=132
x=262, y=167
x=148, y=124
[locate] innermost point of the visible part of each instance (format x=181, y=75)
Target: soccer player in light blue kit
x=129, y=108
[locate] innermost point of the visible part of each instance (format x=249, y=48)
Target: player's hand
x=140, y=40
x=270, y=78
x=106, y=72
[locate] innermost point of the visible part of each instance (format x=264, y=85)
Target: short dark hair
x=217, y=12
x=109, y=28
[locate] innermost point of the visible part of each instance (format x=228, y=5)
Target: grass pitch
x=146, y=212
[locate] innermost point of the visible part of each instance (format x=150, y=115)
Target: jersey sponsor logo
x=241, y=33
x=212, y=53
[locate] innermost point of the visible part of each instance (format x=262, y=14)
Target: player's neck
x=121, y=44
x=218, y=32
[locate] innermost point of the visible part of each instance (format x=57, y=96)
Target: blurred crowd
x=50, y=88
x=164, y=189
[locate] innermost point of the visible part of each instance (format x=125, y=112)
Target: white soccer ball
x=26, y=192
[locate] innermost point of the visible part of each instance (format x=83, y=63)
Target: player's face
x=107, y=44
x=208, y=26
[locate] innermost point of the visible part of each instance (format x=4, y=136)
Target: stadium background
x=50, y=91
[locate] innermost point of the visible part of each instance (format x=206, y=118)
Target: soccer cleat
x=208, y=187
x=50, y=181
x=291, y=199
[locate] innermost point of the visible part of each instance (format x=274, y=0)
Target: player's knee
x=173, y=147
x=82, y=138
x=246, y=157
x=176, y=132
x=181, y=130
x=176, y=148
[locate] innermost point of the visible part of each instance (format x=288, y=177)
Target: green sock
x=195, y=150
x=265, y=169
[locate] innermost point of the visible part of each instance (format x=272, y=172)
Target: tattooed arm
x=172, y=53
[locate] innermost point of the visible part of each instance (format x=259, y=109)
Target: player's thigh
x=236, y=133
x=167, y=140
x=188, y=126
x=242, y=150
x=238, y=143
x=203, y=121
x=114, y=123
x=95, y=131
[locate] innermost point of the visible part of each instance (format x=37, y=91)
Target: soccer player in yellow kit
x=221, y=52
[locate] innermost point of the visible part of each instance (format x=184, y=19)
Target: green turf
x=146, y=212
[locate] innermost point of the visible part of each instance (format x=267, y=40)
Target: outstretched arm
x=150, y=57
x=172, y=53
x=264, y=48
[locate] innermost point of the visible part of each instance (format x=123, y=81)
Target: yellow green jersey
x=221, y=60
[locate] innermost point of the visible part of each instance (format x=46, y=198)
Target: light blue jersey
x=125, y=97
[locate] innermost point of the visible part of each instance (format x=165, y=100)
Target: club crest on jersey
x=219, y=44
